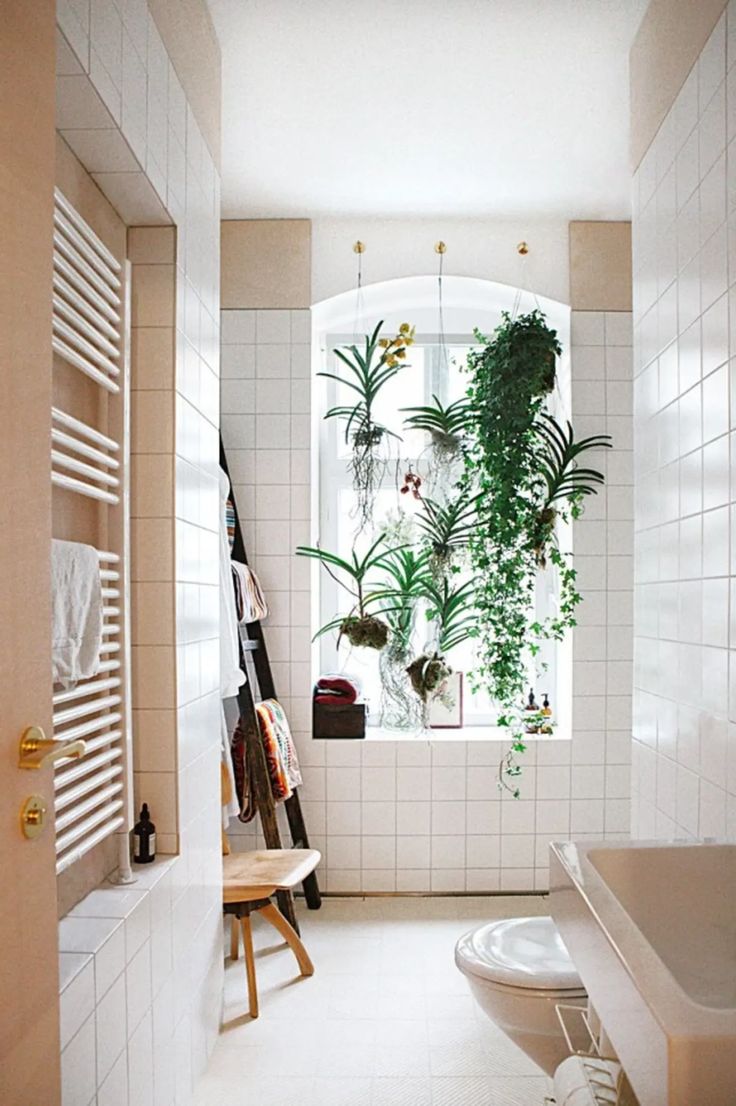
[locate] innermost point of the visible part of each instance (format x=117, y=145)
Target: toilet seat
x=523, y=953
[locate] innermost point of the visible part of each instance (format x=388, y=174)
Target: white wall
x=142, y=969
x=418, y=816
x=684, y=748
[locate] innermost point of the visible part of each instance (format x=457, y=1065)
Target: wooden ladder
x=259, y=685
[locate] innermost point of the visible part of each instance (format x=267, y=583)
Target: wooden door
x=29, y=1007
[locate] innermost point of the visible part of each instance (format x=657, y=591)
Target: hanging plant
x=368, y=372
x=406, y=578
x=446, y=529
x=363, y=624
x=567, y=484
x=509, y=768
x=429, y=673
x=446, y=427
x=525, y=470
x=511, y=375
x=451, y=611
x=412, y=484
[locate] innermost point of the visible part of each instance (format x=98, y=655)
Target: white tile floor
x=386, y=1020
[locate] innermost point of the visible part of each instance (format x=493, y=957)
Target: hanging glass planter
x=399, y=704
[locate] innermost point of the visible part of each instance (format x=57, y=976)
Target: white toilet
x=519, y=970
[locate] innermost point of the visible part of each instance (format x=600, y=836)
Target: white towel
x=76, y=596
x=231, y=676
x=571, y=1088
x=232, y=808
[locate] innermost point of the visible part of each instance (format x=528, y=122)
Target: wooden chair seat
x=249, y=880
x=258, y=875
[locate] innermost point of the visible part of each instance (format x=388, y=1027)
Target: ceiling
x=426, y=107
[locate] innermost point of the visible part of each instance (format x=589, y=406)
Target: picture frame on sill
x=448, y=715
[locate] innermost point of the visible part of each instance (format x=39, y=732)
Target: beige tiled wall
x=144, y=1034
x=669, y=39
x=266, y=263
x=600, y=265
x=152, y=253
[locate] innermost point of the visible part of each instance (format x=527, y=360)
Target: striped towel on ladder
x=281, y=758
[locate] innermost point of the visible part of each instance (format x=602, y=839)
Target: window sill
x=462, y=733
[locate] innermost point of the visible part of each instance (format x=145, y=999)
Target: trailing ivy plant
x=524, y=469
x=368, y=371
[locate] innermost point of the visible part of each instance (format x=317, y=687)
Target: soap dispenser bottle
x=532, y=712
x=547, y=722
x=144, y=838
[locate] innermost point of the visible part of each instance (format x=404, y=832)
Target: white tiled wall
x=684, y=748
x=418, y=816
x=124, y=112
x=119, y=995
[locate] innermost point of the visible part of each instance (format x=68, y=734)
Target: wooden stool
x=249, y=881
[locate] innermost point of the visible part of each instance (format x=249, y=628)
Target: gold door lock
x=36, y=750
x=33, y=816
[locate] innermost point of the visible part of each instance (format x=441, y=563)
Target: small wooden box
x=338, y=721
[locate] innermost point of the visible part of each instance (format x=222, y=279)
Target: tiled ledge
x=111, y=907
x=115, y=962
x=462, y=733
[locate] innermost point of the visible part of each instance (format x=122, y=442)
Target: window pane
x=458, y=379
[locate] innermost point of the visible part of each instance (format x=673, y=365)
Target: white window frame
x=335, y=479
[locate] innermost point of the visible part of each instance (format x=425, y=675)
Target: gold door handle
x=36, y=750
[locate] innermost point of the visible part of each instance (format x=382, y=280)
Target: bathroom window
x=434, y=368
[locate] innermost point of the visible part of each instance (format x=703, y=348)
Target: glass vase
x=400, y=707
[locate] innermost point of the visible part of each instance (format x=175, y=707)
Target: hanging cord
x=441, y=250
x=523, y=287
x=522, y=284
x=359, y=250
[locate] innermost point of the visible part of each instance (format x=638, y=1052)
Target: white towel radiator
x=91, y=315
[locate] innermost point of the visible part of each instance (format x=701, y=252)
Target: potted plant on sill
x=450, y=611
x=406, y=577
